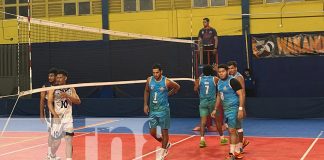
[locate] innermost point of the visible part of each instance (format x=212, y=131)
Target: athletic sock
x=240, y=145
x=232, y=148
x=237, y=148
x=49, y=151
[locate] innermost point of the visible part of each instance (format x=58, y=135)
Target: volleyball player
x=157, y=90
x=207, y=95
x=230, y=95
x=62, y=113
x=44, y=113
x=232, y=70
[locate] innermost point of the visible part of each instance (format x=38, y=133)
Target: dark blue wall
x=277, y=77
x=99, y=61
x=132, y=60
x=232, y=48
x=290, y=77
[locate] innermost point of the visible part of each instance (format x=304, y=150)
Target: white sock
x=202, y=138
x=222, y=137
x=49, y=150
x=240, y=145
x=237, y=148
x=163, y=151
x=232, y=148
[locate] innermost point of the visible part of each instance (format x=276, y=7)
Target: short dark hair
x=206, y=19
x=232, y=63
x=223, y=66
x=208, y=70
x=63, y=72
x=157, y=66
x=52, y=70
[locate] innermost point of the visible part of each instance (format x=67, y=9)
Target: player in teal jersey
x=206, y=84
x=232, y=70
x=158, y=88
x=230, y=95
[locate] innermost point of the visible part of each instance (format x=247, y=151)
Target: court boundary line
x=312, y=145
x=80, y=128
x=185, y=134
x=149, y=153
x=174, y=134
x=35, y=146
x=280, y=137
x=18, y=137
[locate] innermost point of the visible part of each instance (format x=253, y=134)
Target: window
x=208, y=3
x=16, y=7
x=129, y=5
x=200, y=3
x=84, y=8
x=10, y=1
x=273, y=1
x=23, y=1
x=218, y=3
x=23, y=11
x=279, y=1
x=146, y=5
x=293, y=0
x=11, y=10
x=69, y=9
x=138, y=5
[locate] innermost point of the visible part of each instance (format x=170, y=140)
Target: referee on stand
x=208, y=43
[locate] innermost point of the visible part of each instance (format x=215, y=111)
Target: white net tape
x=98, y=30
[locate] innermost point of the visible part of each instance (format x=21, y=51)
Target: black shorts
x=208, y=51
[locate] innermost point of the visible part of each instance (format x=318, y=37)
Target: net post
x=18, y=55
x=29, y=48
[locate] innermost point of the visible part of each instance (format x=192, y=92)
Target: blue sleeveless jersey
x=207, y=88
x=230, y=99
x=238, y=74
x=158, y=94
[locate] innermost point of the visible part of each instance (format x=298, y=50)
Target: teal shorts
x=206, y=107
x=232, y=120
x=160, y=118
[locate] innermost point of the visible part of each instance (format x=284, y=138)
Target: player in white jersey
x=44, y=113
x=232, y=70
x=62, y=114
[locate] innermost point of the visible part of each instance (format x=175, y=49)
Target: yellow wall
x=10, y=30
x=293, y=19
x=265, y=18
x=177, y=23
x=227, y=20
